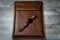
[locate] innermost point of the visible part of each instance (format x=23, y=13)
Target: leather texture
x=25, y=10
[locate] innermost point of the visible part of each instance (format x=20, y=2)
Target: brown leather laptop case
x=24, y=11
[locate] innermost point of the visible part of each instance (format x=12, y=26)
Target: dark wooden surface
x=23, y=11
